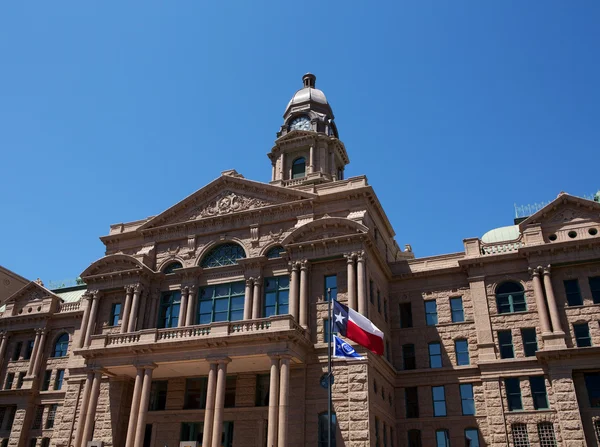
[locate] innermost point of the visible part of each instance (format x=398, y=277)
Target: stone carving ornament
x=226, y=203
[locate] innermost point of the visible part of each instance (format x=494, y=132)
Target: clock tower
x=307, y=149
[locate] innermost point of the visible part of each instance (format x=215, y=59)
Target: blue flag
x=343, y=349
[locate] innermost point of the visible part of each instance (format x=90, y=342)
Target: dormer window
x=299, y=168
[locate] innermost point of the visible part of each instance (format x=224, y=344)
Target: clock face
x=300, y=123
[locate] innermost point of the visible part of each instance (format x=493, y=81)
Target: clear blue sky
x=113, y=111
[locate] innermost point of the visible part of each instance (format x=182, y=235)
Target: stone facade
x=207, y=323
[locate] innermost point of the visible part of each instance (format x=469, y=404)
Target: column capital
x=350, y=257
x=547, y=269
x=361, y=256
x=145, y=366
x=294, y=265
x=192, y=289
x=304, y=264
x=249, y=281
x=87, y=295
x=218, y=359
x=129, y=288
x=258, y=281
x=535, y=271
x=3, y=335
x=138, y=288
x=95, y=294
x=185, y=289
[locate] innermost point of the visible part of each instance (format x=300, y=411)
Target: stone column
x=126, y=309
x=154, y=303
x=209, y=412
x=135, y=307
x=304, y=294
x=191, y=306
x=361, y=279
x=256, y=301
x=284, y=397
x=88, y=431
x=248, y=300
x=351, y=282
x=143, y=408
x=217, y=427
x=36, y=346
x=87, y=298
x=3, y=344
x=135, y=406
x=85, y=399
x=294, y=291
x=183, y=307
x=332, y=163
x=554, y=314
x=282, y=167
x=93, y=315
x=540, y=301
x=481, y=315
x=39, y=352
x=311, y=159
x=273, y=403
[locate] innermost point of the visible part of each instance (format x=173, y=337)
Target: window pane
x=595, y=288
x=466, y=396
x=462, y=352
x=506, y=346
x=442, y=438
x=431, y=313
x=472, y=437
x=513, y=393
x=330, y=283
x=456, y=305
x=582, y=335
x=439, y=400
x=414, y=438
x=573, y=294
x=406, y=315
x=592, y=384
x=529, y=341
x=408, y=356
x=435, y=357
x=411, y=397
x=538, y=392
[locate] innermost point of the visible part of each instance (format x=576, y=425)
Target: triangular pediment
x=564, y=210
x=325, y=228
x=31, y=292
x=224, y=196
x=112, y=264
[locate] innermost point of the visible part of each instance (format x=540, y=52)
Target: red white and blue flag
x=356, y=327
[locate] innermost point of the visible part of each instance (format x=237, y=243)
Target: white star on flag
x=339, y=318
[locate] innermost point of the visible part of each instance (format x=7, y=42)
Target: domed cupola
x=308, y=110
x=307, y=149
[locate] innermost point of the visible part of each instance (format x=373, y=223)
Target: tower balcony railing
x=230, y=330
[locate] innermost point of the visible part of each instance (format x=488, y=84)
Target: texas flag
x=356, y=327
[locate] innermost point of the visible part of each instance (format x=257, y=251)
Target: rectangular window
x=442, y=438
x=147, y=435
x=573, y=293
x=12, y=411
x=467, y=399
x=411, y=398
x=529, y=337
x=58, y=380
x=513, y=393
x=192, y=431
x=17, y=352
x=371, y=293
x=20, y=380
x=384, y=435
x=388, y=352
x=330, y=287
x=230, y=384
x=538, y=392
x=263, y=382
x=158, y=395
x=115, y=314
x=406, y=319
x=168, y=313
x=51, y=416
x=439, y=400
x=431, y=317
x=506, y=344
x=435, y=355
x=546, y=434
x=37, y=419
x=224, y=302
x=595, y=288
x=277, y=296
x=385, y=313
x=408, y=356
x=10, y=378
x=582, y=335
x=46, y=381
x=472, y=437
x=520, y=435
x=378, y=301
x=377, y=444
x=45, y=442
x=461, y=348
x=29, y=349
x=2, y=414
x=456, y=307
x=592, y=384
x=414, y=438
x=32, y=442
x=195, y=393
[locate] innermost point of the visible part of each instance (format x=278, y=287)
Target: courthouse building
x=208, y=322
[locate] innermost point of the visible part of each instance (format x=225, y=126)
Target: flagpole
x=329, y=370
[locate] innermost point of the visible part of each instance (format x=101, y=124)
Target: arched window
x=324, y=429
x=414, y=438
x=173, y=266
x=274, y=252
x=61, y=346
x=510, y=297
x=299, y=168
x=224, y=254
